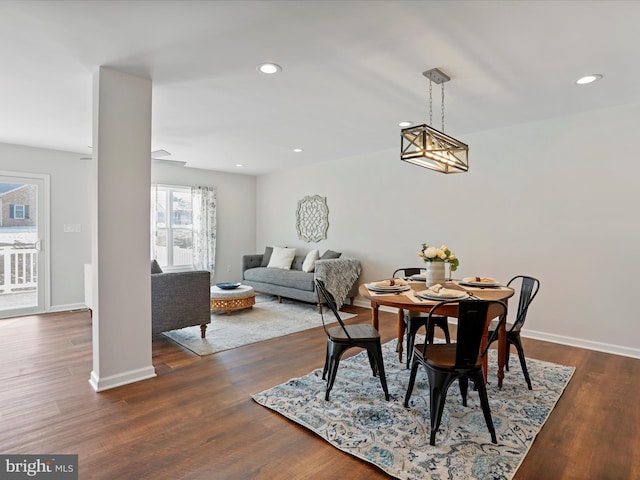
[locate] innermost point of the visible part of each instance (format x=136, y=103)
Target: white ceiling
x=351, y=71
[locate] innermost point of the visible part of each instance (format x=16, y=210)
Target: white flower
x=444, y=248
x=452, y=257
x=441, y=254
x=431, y=252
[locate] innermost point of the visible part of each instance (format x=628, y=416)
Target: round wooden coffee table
x=236, y=299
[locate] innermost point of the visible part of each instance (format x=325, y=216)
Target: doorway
x=23, y=237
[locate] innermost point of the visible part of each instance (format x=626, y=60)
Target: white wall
x=70, y=184
x=556, y=200
x=70, y=187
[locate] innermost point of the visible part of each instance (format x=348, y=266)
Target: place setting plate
x=389, y=289
x=482, y=283
x=429, y=295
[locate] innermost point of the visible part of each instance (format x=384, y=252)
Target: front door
x=23, y=258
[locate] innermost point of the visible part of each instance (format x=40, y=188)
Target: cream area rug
x=267, y=319
x=358, y=421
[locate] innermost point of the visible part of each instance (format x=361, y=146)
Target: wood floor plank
x=196, y=420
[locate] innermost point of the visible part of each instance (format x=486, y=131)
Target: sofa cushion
x=282, y=257
x=267, y=256
x=309, y=261
x=155, y=267
x=329, y=254
x=284, y=278
x=298, y=260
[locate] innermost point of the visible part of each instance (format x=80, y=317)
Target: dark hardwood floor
x=196, y=419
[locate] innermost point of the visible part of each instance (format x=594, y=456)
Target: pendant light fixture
x=427, y=147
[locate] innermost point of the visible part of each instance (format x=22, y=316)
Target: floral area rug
x=267, y=319
x=358, y=421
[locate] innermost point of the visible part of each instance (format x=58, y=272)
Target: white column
x=121, y=282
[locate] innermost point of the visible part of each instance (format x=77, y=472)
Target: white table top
x=241, y=291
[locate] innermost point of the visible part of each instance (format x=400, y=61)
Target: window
x=172, y=243
x=19, y=212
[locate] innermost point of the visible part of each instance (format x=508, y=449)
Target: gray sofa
x=339, y=274
x=180, y=299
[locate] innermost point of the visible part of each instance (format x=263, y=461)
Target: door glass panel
x=20, y=242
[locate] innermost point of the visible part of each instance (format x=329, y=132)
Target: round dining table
x=408, y=300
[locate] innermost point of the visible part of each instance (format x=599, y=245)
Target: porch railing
x=18, y=268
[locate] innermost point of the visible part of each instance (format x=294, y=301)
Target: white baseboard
x=67, y=308
x=549, y=337
x=113, y=381
x=582, y=343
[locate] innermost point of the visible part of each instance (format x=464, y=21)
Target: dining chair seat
x=361, y=332
x=442, y=357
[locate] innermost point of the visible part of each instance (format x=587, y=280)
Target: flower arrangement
x=442, y=254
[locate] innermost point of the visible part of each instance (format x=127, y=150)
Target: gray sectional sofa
x=339, y=274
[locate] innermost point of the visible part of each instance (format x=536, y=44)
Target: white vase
x=435, y=273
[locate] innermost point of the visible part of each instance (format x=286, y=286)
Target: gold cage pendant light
x=427, y=147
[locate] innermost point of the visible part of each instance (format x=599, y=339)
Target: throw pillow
x=310, y=260
x=155, y=267
x=329, y=254
x=266, y=256
x=282, y=258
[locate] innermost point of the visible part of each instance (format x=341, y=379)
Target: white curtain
x=203, y=201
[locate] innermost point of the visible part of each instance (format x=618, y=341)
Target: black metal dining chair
x=460, y=361
x=413, y=321
x=343, y=337
x=529, y=287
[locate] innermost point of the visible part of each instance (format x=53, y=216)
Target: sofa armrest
x=339, y=276
x=250, y=261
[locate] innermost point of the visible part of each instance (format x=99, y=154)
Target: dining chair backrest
x=528, y=290
x=407, y=272
x=472, y=323
x=322, y=291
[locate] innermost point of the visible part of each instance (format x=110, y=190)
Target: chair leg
x=377, y=354
x=463, y=382
x=439, y=385
x=431, y=332
x=523, y=363
x=326, y=363
x=478, y=379
x=333, y=370
x=412, y=331
x=334, y=353
x=445, y=329
x=412, y=380
x=372, y=362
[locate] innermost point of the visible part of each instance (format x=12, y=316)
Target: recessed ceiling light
x=297, y=150
x=404, y=124
x=269, y=68
x=239, y=165
x=589, y=79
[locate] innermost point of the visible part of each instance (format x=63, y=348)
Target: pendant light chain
x=442, y=86
x=430, y=103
